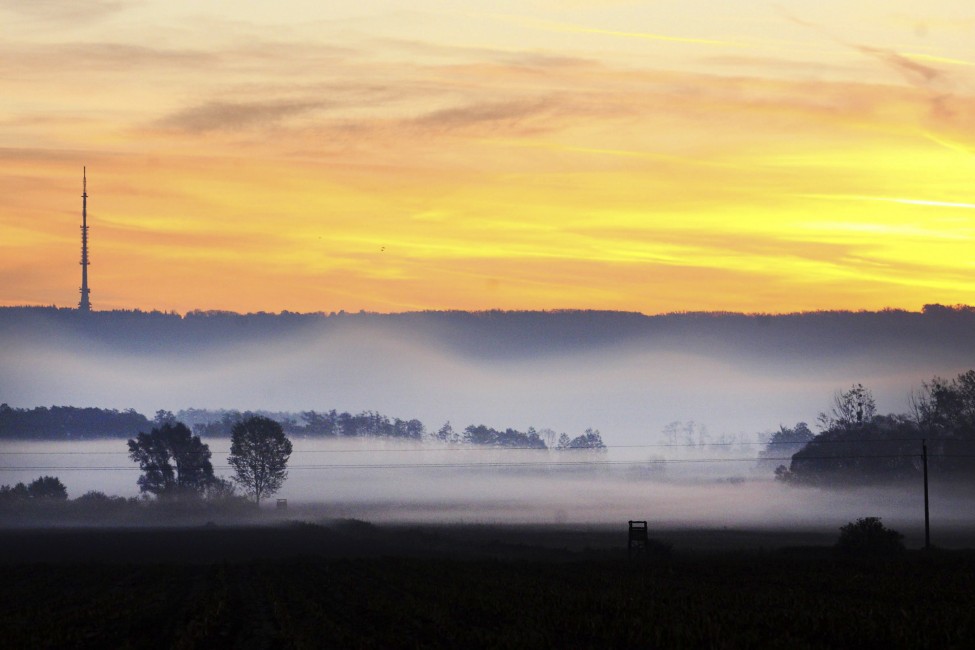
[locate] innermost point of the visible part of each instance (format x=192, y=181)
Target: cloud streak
x=234, y=116
x=65, y=12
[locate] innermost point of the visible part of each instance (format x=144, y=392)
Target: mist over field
x=400, y=482
x=736, y=377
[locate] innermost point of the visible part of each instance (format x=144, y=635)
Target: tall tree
x=174, y=462
x=259, y=453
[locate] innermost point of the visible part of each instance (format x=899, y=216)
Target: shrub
x=867, y=536
x=47, y=487
x=94, y=500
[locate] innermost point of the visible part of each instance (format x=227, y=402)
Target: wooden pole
x=927, y=512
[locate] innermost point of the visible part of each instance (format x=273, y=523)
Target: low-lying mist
x=400, y=482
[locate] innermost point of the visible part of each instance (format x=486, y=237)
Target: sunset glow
x=393, y=156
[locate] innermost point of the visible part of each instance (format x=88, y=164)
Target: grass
x=312, y=587
x=413, y=602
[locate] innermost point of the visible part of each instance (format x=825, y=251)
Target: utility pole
x=927, y=513
x=85, y=304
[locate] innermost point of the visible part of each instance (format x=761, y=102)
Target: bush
x=47, y=487
x=867, y=536
x=95, y=501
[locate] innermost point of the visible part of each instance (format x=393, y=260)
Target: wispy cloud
x=116, y=58
x=65, y=11
x=509, y=114
x=232, y=116
x=946, y=106
x=912, y=70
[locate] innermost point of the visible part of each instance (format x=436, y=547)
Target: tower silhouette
x=85, y=304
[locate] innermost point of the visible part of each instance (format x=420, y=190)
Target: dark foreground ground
x=350, y=584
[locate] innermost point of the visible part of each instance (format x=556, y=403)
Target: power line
x=493, y=448
x=591, y=463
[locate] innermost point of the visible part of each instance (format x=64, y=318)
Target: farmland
x=355, y=585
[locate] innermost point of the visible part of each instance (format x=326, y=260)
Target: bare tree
x=853, y=406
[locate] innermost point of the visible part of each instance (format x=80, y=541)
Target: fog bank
x=397, y=482
x=627, y=375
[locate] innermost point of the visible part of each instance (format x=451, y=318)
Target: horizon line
x=958, y=307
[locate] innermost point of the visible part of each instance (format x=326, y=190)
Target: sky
x=391, y=156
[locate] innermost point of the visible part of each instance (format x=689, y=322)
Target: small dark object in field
x=639, y=543
x=868, y=537
x=637, y=538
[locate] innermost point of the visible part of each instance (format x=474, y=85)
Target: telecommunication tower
x=85, y=304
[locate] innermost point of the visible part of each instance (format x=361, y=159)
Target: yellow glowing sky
x=539, y=154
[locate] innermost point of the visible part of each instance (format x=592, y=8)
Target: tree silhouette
x=43, y=488
x=855, y=406
x=13, y=493
x=446, y=433
x=174, y=462
x=259, y=453
x=68, y=423
x=591, y=439
x=47, y=487
x=868, y=536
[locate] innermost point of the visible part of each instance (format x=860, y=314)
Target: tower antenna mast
x=85, y=304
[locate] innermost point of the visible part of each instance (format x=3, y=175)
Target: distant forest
x=942, y=332
x=69, y=423
x=63, y=423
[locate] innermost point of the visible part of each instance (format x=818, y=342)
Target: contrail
x=889, y=199
x=938, y=59
x=948, y=144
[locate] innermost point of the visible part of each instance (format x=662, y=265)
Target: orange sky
x=517, y=155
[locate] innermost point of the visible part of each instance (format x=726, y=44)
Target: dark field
x=350, y=584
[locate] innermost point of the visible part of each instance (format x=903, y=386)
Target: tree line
x=945, y=331
x=325, y=424
x=512, y=438
x=68, y=423
x=43, y=488
x=856, y=444
x=74, y=423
